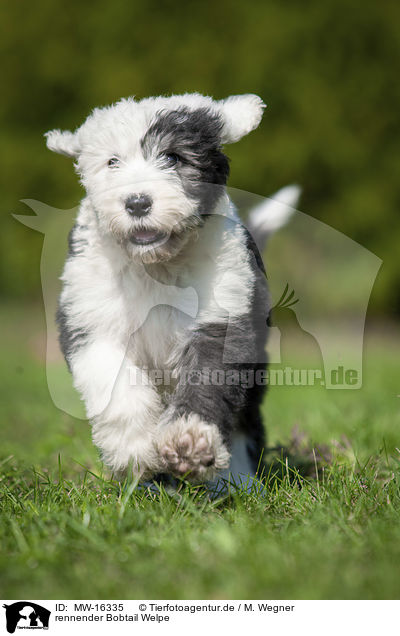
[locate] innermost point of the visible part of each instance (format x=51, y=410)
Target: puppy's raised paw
x=190, y=447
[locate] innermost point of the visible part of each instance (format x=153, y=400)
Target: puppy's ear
x=241, y=114
x=63, y=142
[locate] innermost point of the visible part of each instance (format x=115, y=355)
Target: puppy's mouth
x=147, y=237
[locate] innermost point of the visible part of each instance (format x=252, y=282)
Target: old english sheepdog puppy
x=162, y=313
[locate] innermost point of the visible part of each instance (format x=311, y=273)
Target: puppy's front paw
x=191, y=447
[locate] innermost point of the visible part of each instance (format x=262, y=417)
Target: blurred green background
x=328, y=72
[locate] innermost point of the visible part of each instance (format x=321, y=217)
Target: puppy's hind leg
x=242, y=471
x=246, y=469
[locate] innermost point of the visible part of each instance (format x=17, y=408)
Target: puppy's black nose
x=138, y=204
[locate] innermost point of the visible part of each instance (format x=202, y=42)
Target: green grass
x=68, y=531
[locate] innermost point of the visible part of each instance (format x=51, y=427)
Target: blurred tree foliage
x=327, y=70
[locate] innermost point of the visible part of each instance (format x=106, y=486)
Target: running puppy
x=163, y=288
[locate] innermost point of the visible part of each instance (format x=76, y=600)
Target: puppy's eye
x=172, y=158
x=113, y=162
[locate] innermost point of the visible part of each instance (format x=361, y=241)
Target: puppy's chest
x=159, y=341
x=159, y=318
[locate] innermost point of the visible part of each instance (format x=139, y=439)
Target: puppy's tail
x=273, y=213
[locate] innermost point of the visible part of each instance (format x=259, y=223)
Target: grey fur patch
x=70, y=339
x=194, y=136
x=77, y=239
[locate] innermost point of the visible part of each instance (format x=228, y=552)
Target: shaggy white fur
x=152, y=279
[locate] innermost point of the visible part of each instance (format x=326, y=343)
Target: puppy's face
x=153, y=168
x=151, y=175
